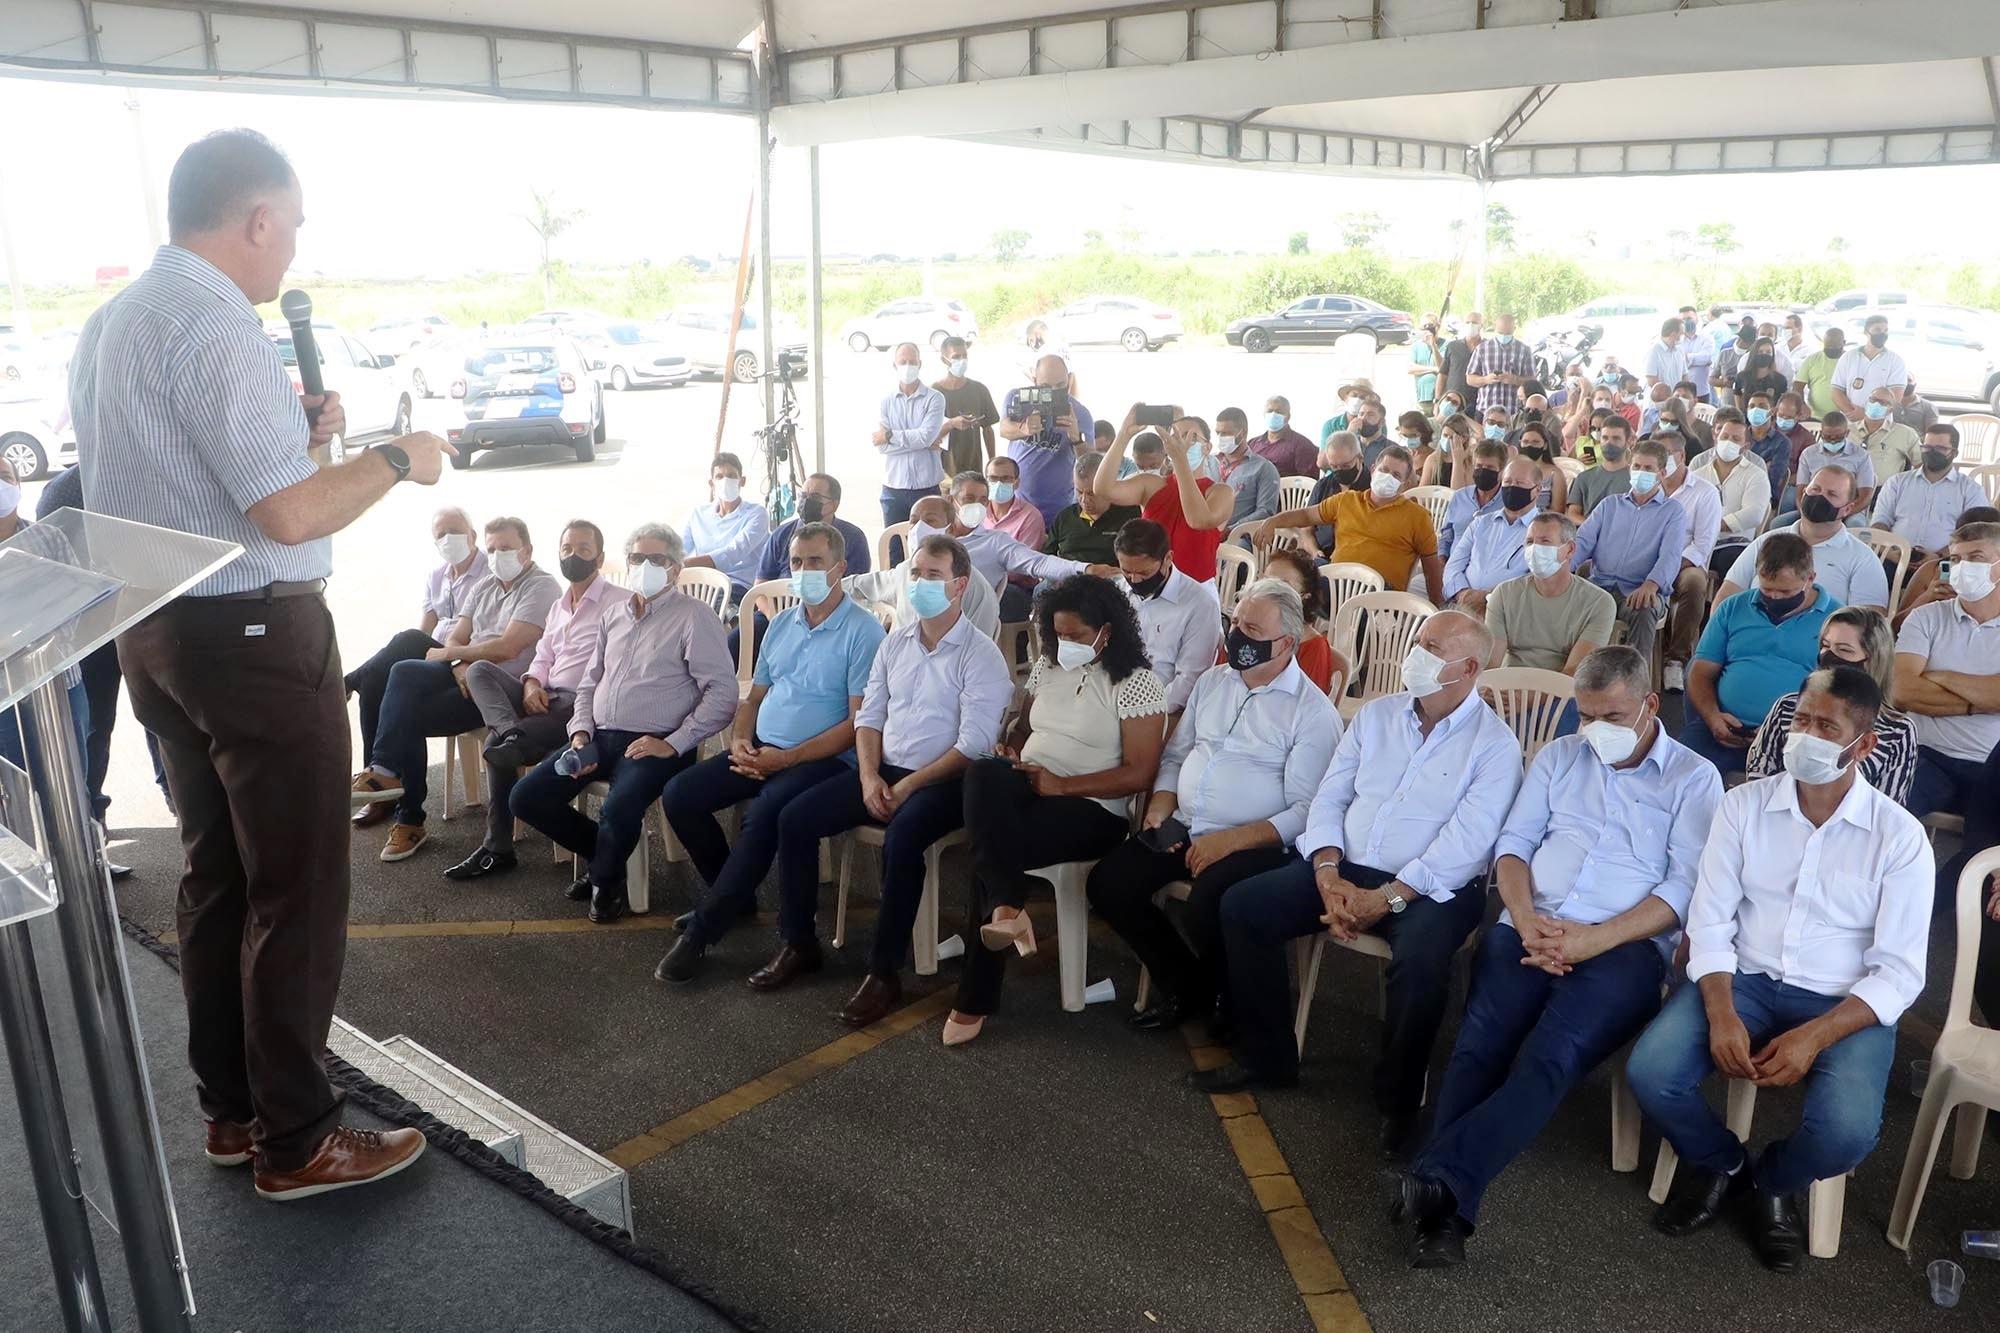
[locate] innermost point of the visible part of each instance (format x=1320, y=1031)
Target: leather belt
x=270, y=592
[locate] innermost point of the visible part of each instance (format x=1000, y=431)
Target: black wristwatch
x=394, y=456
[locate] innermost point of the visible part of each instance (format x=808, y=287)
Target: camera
x=1051, y=400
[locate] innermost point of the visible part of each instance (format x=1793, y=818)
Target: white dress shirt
x=1843, y=909
x=927, y=701
x=1701, y=500
x=1858, y=375
x=1183, y=630
x=911, y=458
x=1946, y=636
x=891, y=588
x=1242, y=755
x=1843, y=564
x=1427, y=809
x=1745, y=493
x=735, y=540
x=1924, y=512
x=1600, y=840
x=995, y=555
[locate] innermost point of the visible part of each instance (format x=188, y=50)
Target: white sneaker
x=1673, y=678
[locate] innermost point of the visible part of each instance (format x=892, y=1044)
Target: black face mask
x=1777, y=608
x=812, y=509
x=1611, y=453
x=1246, y=653
x=1348, y=477
x=1516, y=498
x=1486, y=478
x=1760, y=362
x=1828, y=660
x=1936, y=460
x=1879, y=339
x=1149, y=587
x=1538, y=452
x=1368, y=428
x=1818, y=509
x=576, y=568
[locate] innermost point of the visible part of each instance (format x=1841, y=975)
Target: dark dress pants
x=423, y=700
x=545, y=799
x=370, y=681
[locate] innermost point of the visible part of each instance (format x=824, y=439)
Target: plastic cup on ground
x=1947, y=1283
x=1920, y=1077
x=1100, y=992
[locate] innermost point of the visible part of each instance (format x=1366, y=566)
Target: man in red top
x=1192, y=508
x=1287, y=450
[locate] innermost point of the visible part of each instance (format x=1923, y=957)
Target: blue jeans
x=10, y=726
x=732, y=874
x=1843, y=1110
x=542, y=797
x=1697, y=737
x=1965, y=787
x=1528, y=1039
x=898, y=501
x=1566, y=724
x=423, y=700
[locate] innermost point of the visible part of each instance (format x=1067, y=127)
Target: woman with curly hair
x=1058, y=787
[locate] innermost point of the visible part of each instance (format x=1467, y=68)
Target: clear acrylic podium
x=69, y=585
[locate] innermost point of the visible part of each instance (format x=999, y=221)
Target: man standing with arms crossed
x=186, y=419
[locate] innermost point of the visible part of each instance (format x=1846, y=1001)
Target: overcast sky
x=399, y=187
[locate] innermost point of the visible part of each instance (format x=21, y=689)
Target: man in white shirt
x=1688, y=604
x=1869, y=366
x=1843, y=564
x=1666, y=363
x=728, y=533
x=1232, y=794
x=1807, y=936
x=910, y=437
x=930, y=516
x=1741, y=480
x=1180, y=618
x=994, y=554
x=935, y=697
x=1492, y=548
x=1922, y=505
x=1397, y=845
x=1596, y=866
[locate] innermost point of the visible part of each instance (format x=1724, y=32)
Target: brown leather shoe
x=228, y=1143
x=787, y=965
x=368, y=816
x=880, y=992
x=370, y=787
x=345, y=1158
x=405, y=841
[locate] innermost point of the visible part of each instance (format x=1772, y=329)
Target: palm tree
x=548, y=223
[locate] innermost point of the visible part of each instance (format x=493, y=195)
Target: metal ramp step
x=392, y=1071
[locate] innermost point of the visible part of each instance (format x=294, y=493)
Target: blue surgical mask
x=1197, y=457
x=1758, y=415
x=1503, y=338
x=1786, y=423
x=1274, y=421
x=1644, y=482
x=1876, y=411
x=929, y=597
x=1003, y=492
x=1412, y=441
x=810, y=586
x=1494, y=431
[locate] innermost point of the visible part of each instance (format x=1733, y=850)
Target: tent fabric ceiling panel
x=359, y=55
x=451, y=58
x=610, y=71
x=276, y=46
x=151, y=38
x=541, y=66
x=44, y=29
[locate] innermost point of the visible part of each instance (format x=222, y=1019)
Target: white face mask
x=728, y=490
x=1672, y=466
x=1728, y=452
x=1544, y=561
x=1227, y=444
x=1072, y=656
x=1384, y=485
x=1813, y=760
x=1970, y=580
x=907, y=373
x=972, y=515
x=650, y=580
x=452, y=548
x=507, y=565
x=957, y=367
x=1423, y=672
x=1613, y=743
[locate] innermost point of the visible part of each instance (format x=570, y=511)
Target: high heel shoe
x=1016, y=932
x=957, y=1033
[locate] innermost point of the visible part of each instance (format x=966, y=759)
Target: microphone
x=298, y=312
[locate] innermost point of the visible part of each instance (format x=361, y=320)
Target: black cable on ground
x=392, y=1106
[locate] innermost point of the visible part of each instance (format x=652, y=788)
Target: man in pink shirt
x=1281, y=446
x=1007, y=512
x=529, y=717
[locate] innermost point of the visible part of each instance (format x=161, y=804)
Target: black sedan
x=1318, y=320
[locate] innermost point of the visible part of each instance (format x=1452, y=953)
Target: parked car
x=566, y=320
x=1136, y=324
x=1952, y=353
x=29, y=439
x=534, y=389
x=1854, y=298
x=623, y=355
x=1317, y=321
x=434, y=365
x=370, y=384
x=701, y=334
x=1626, y=325
x=404, y=335
x=923, y=320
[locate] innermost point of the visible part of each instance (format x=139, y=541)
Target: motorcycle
x=1565, y=351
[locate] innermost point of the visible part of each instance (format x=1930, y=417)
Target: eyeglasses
x=635, y=559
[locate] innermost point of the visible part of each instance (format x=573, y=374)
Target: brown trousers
x=247, y=701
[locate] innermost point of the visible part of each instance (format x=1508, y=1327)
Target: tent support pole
x=816, y=296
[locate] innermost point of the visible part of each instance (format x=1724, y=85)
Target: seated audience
x=1634, y=544
x=1380, y=527
x=1858, y=637
x=1551, y=486
x=1927, y=583
x=1757, y=648
x=1413, y=432
x=727, y=533
x=1916, y=411
x=1741, y=481
x=1922, y=505
x=930, y=516
x=1815, y=855
x=1612, y=475
x=792, y=733
x=1006, y=511
x=819, y=502
x=500, y=623
x=1493, y=550
x=1284, y=448
x=1149, y=453
x=1768, y=442
x=1059, y=787
x=1179, y=619
x=1549, y=618
x=1315, y=655
x=660, y=683
x=1596, y=864
x=995, y=555
x=1351, y=396
x=1084, y=531
x=1253, y=477
x=1789, y=415
x=1236, y=780
x=1477, y=496
x=1891, y=446
x=1843, y=564
x=934, y=702
x=1834, y=448
x=1340, y=470
x=446, y=589
x=1701, y=500
x=528, y=716
x=1182, y=499
x=1366, y=423
x=1396, y=845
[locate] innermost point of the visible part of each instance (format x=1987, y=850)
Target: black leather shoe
x=118, y=871
x=606, y=905
x=482, y=863
x=1778, y=1231
x=1699, y=1197
x=682, y=922
x=1154, y=1017
x=787, y=965
x=880, y=992
x=1233, y=1077
x=1421, y=1201
x=1440, y=1243
x=579, y=890
x=505, y=751
x=1222, y=1028
x=1399, y=1135
x=681, y=963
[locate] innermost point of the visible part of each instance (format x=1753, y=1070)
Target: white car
x=566, y=320
x=404, y=335
x=701, y=334
x=923, y=320
x=29, y=439
x=625, y=355
x=532, y=389
x=370, y=385
x=1627, y=325
x=1856, y=298
x=1952, y=353
x=1136, y=324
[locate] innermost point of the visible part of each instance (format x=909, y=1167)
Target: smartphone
x=1153, y=416
x=1170, y=834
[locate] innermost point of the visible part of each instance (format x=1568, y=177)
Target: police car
x=536, y=389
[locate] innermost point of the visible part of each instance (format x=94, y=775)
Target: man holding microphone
x=186, y=419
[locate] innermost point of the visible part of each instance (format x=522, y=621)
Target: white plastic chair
x=464, y=758
x=1345, y=579
x=1705, y=413
x=1530, y=701
x=639, y=865
x=923, y=935
x=1978, y=438
x=1234, y=570
x=1825, y=1202
x=1988, y=477
x=770, y=597
x=1888, y=547
x=1434, y=499
x=708, y=586
x=1309, y=950
x=1571, y=468
x=1283, y=539
x=1965, y=1066
x=1295, y=492
x=1374, y=632
x=894, y=532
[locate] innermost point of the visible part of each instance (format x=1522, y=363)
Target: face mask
x=957, y=367
x=1197, y=457
x=1728, y=452
x=1644, y=482
x=1936, y=460
x=1003, y=492
x=812, y=509
x=507, y=565
x=1828, y=660
x=1758, y=415
x=1878, y=339
x=1760, y=362
x=1613, y=453
x=972, y=515
x=1972, y=582
x=1073, y=656
x=1448, y=411
x=1777, y=608
x=650, y=580
x=1671, y=466
x=1486, y=478
x=453, y=547
x=1349, y=477
x=1688, y=324
x=728, y=490
x=1412, y=442
x=1836, y=445
x=1601, y=404
x=1876, y=411
x=1227, y=444
x=1818, y=509
x=1274, y=422
x=1384, y=485
x=1504, y=339
x=1544, y=561
x=1367, y=428
x=1516, y=498
x=1538, y=452
x=1495, y=431
x=1352, y=403
x=1149, y=587
x=1423, y=672
x=907, y=373
x=1786, y=423
x=1814, y=760
x=576, y=568
x=810, y=586
x=1613, y=743
x=929, y=597
x=921, y=532
x=1246, y=653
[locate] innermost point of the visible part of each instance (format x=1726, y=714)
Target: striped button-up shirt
x=186, y=418
x=571, y=634
x=665, y=672
x=911, y=460
x=1493, y=550
x=927, y=701
x=1491, y=357
x=1628, y=541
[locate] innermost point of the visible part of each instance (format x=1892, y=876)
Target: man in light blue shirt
x=911, y=438
x=1633, y=544
x=1596, y=865
x=1470, y=502
x=1493, y=548
x=1397, y=845
x=728, y=533
x=793, y=732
